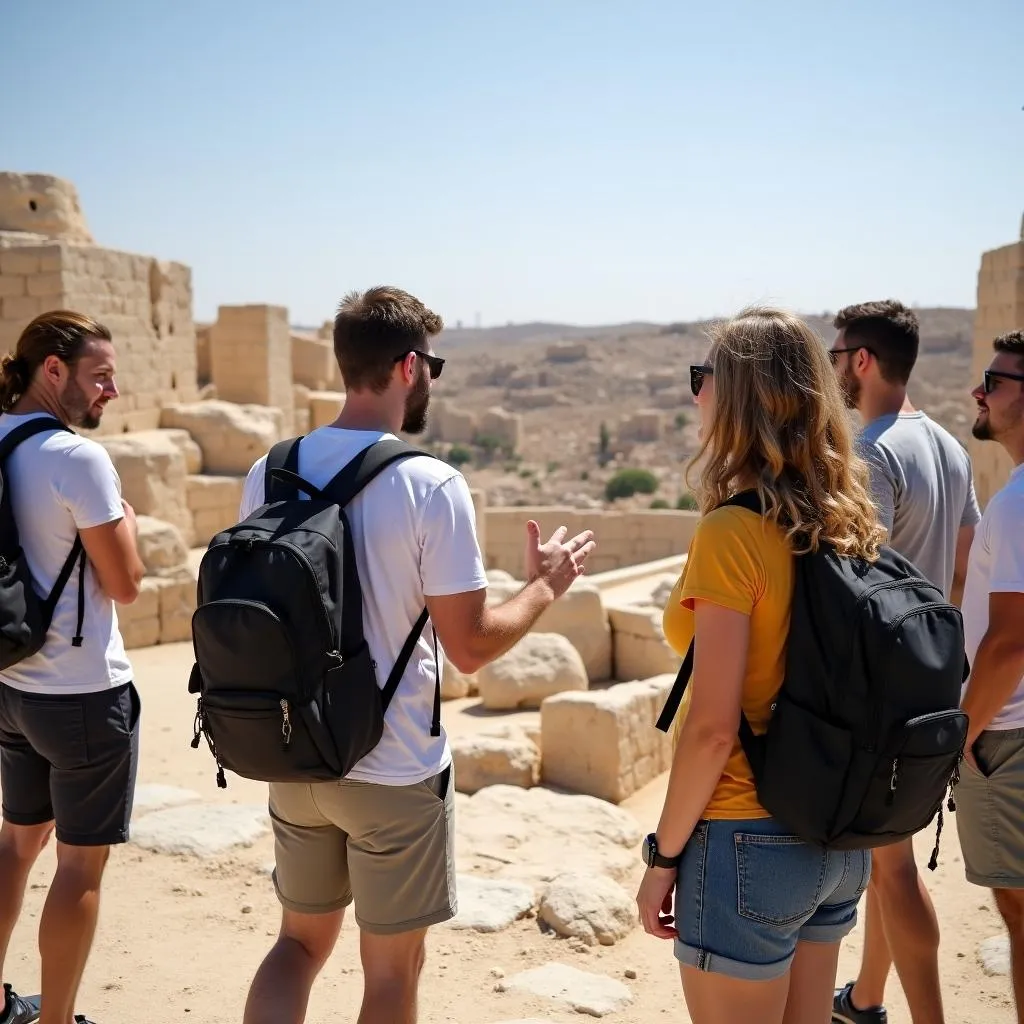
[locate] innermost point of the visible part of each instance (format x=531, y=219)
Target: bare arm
x=474, y=634
x=999, y=664
x=964, y=539
x=113, y=552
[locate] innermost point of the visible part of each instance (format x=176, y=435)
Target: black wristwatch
x=653, y=859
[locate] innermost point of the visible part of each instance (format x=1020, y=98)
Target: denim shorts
x=748, y=891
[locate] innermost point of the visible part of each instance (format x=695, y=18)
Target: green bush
x=659, y=503
x=459, y=455
x=681, y=420
x=687, y=501
x=628, y=482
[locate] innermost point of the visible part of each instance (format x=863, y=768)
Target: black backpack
x=866, y=734
x=25, y=617
x=287, y=690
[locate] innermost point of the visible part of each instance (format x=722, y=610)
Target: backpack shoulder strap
x=359, y=471
x=22, y=432
x=283, y=455
x=745, y=499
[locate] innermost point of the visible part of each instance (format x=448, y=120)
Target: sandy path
x=180, y=938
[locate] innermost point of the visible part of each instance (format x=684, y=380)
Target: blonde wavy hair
x=780, y=425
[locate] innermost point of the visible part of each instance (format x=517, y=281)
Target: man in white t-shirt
x=990, y=794
x=69, y=712
x=383, y=837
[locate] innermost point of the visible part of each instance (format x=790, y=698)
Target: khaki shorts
x=390, y=848
x=990, y=811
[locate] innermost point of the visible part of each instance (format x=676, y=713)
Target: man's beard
x=851, y=389
x=416, y=403
x=79, y=411
x=982, y=429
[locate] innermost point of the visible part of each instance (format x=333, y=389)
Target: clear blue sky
x=588, y=161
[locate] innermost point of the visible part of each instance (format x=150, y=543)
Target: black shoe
x=20, y=1010
x=844, y=1012
x=80, y=1018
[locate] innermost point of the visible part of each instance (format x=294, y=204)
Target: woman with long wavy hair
x=758, y=914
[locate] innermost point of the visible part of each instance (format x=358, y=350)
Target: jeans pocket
x=780, y=879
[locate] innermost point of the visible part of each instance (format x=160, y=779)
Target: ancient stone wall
x=1000, y=309
x=146, y=304
x=40, y=204
x=624, y=538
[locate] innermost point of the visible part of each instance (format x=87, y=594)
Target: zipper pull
x=892, y=782
x=286, y=722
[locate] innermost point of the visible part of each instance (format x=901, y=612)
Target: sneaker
x=80, y=1018
x=20, y=1010
x=844, y=1012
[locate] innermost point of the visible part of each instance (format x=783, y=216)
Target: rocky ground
x=566, y=383
x=545, y=930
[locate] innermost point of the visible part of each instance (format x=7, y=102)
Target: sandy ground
x=180, y=938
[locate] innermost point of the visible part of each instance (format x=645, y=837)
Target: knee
x=892, y=872
x=82, y=866
x=398, y=972
x=25, y=842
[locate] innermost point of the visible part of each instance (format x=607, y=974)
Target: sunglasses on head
x=435, y=364
x=992, y=377
x=697, y=375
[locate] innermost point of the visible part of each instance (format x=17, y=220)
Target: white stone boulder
x=232, y=437
x=994, y=955
x=489, y=905
x=455, y=684
x=640, y=648
x=604, y=742
x=540, y=665
x=202, y=830
x=483, y=760
x=594, y=908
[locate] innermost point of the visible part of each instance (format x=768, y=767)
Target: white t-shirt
x=62, y=483
x=414, y=529
x=996, y=566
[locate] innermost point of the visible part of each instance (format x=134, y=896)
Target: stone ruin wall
x=1000, y=308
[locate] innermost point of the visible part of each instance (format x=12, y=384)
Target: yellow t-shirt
x=739, y=561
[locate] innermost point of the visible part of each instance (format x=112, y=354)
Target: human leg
x=912, y=933
x=811, y=978
x=90, y=742
x=20, y=846
x=391, y=974
x=868, y=991
x=1010, y=903
x=279, y=993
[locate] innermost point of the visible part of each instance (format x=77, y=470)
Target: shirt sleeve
x=971, y=514
x=882, y=483
x=252, y=490
x=450, y=558
x=725, y=566
x=89, y=486
x=1006, y=531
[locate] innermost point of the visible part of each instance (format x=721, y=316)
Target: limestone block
x=139, y=621
x=177, y=596
x=645, y=425
x=214, y=502
x=449, y=423
x=161, y=546
x=567, y=351
x=507, y=427
x=324, y=407
x=231, y=437
x=604, y=743
x=540, y=665
x=454, y=684
x=42, y=204
x=192, y=452
x=594, y=908
x=203, y=372
x=483, y=760
x=639, y=647
x=313, y=362
x=152, y=468
x=251, y=356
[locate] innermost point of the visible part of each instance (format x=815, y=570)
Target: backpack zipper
x=286, y=723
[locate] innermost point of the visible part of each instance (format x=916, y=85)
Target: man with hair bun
x=69, y=710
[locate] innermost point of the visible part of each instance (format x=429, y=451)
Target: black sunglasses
x=697, y=375
x=991, y=376
x=833, y=353
x=435, y=364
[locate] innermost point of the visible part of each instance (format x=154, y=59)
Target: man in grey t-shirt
x=922, y=486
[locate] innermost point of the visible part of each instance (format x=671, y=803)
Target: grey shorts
x=990, y=810
x=72, y=759
x=390, y=848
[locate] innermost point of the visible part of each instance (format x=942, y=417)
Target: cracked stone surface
x=490, y=904
x=582, y=991
x=203, y=830
x=152, y=796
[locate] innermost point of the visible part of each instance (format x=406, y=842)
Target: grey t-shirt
x=923, y=488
